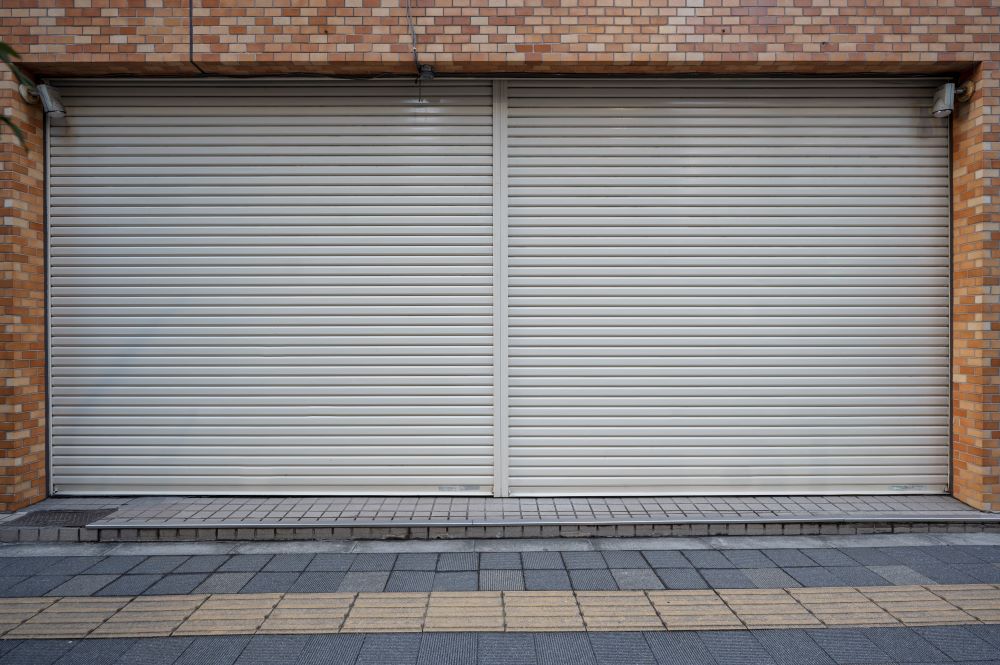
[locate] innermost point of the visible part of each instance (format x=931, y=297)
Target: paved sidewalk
x=946, y=645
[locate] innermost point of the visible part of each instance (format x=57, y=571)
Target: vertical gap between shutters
x=501, y=455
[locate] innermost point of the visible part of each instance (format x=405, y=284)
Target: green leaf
x=14, y=128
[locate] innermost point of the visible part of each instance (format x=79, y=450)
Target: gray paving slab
x=129, y=585
x=625, y=559
x=96, y=652
x=911, y=555
x=448, y=649
x=288, y=563
x=245, y=563
x=270, y=583
x=158, y=565
x=848, y=647
x=462, y=580
x=373, y=563
x=318, y=582
x=636, y=578
x=456, y=561
x=858, y=576
x=564, y=649
x=82, y=585
x=592, y=579
x=8, y=645
x=770, y=578
x=621, y=649
x=331, y=649
x=37, y=652
x=666, y=559
x=957, y=642
x=814, y=576
x=984, y=572
x=170, y=585
x=363, y=581
x=732, y=647
x=224, y=583
x=747, y=559
x=871, y=556
x=500, y=560
x=942, y=573
x=788, y=558
x=681, y=578
x=390, y=649
x=74, y=565
x=162, y=651
x=272, y=650
x=727, y=578
x=411, y=580
x=584, y=560
x=792, y=647
x=28, y=566
x=36, y=585
x=904, y=645
x=331, y=562
x=501, y=580
x=546, y=580
x=829, y=557
x=117, y=564
x=708, y=559
x=213, y=650
x=542, y=561
x=900, y=575
x=679, y=648
x=168, y=549
x=202, y=564
x=506, y=649
x=7, y=582
x=417, y=561
x=298, y=547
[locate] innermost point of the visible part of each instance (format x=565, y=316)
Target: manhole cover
x=68, y=518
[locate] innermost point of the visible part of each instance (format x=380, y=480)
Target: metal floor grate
x=66, y=518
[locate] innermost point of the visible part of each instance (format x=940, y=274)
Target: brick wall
x=359, y=37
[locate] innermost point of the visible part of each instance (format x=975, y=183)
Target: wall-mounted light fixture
x=47, y=95
x=944, y=98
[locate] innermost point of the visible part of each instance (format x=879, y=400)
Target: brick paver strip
x=499, y=611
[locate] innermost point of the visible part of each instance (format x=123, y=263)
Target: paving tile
x=848, y=647
x=872, y=556
x=621, y=649
x=726, y=578
x=366, y=581
x=500, y=561
x=904, y=645
x=410, y=580
x=898, y=575
x=244, y=563
x=708, y=559
x=624, y=559
x=542, y=611
x=584, y=560
x=456, y=581
x=82, y=585
x=331, y=650
x=814, y=576
x=377, y=612
x=317, y=582
x=944, y=574
x=229, y=614
x=8, y=581
x=117, y=564
x=542, y=561
x=592, y=580
x=564, y=649
x=747, y=559
x=311, y=613
x=158, y=565
x=457, y=561
x=788, y=558
x=73, y=565
x=792, y=647
x=768, y=608
x=417, y=561
x=214, y=650
x=910, y=555
x=830, y=557
x=988, y=633
x=679, y=648
x=666, y=559
x=843, y=607
x=392, y=649
x=501, y=580
x=957, y=642
x=36, y=652
x=270, y=583
x=465, y=611
x=272, y=650
x=736, y=648
x=681, y=578
x=224, y=583
x=636, y=578
x=202, y=564
x=28, y=566
x=507, y=649
x=858, y=576
x=547, y=580
x=155, y=651
x=96, y=652
x=36, y=585
x=769, y=578
x=8, y=645
x=951, y=554
x=176, y=584
x=617, y=611
x=326, y=562
x=381, y=562
x=288, y=563
x=987, y=573
x=985, y=553
x=447, y=649
x=129, y=585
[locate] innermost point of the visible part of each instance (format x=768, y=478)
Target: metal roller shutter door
x=727, y=287
x=280, y=287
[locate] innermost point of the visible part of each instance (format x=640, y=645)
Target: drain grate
x=67, y=518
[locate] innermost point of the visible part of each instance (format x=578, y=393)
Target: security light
x=51, y=102
x=944, y=101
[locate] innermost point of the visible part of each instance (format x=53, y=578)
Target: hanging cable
x=424, y=72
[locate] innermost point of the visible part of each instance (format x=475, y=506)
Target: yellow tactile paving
x=512, y=611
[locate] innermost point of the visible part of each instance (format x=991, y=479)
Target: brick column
x=976, y=288
x=22, y=304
